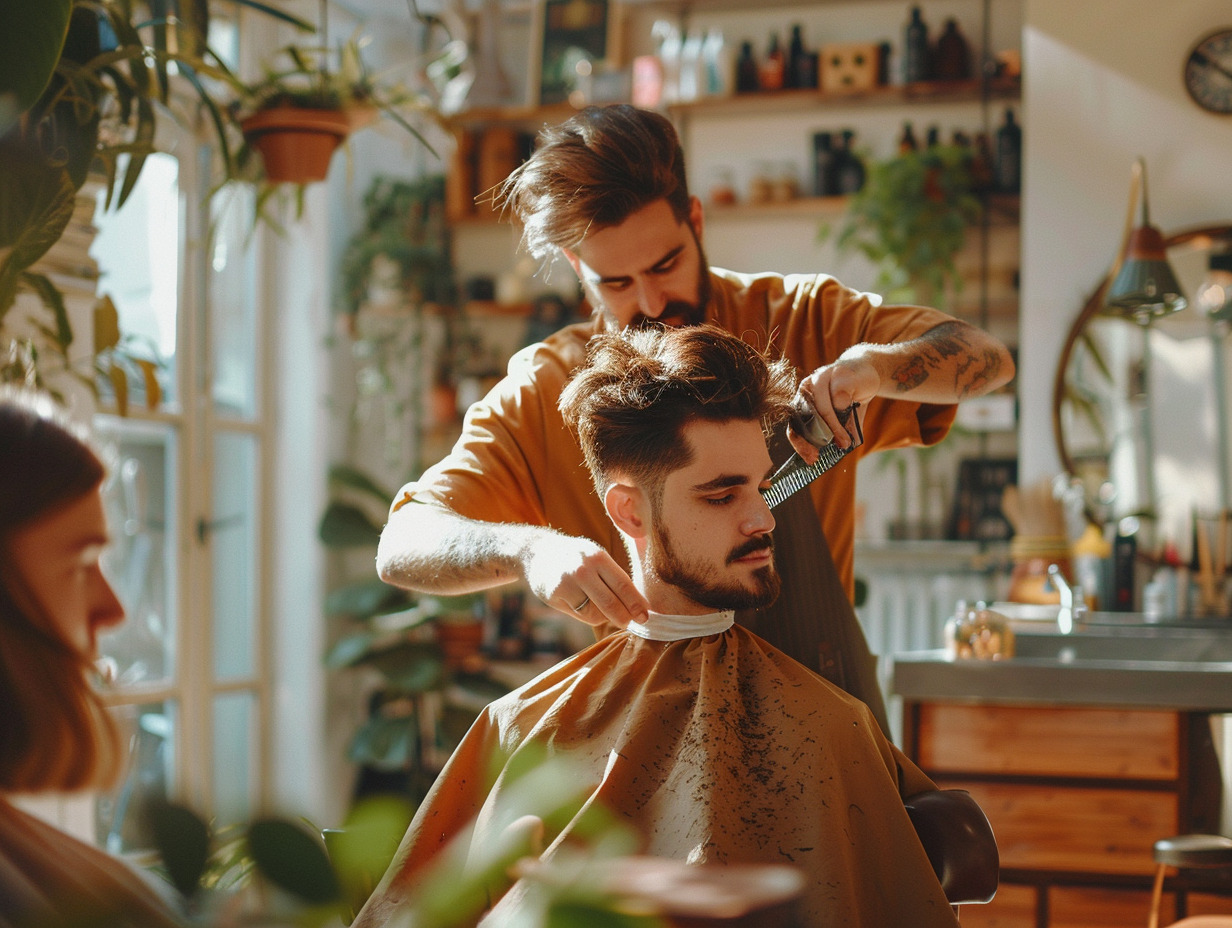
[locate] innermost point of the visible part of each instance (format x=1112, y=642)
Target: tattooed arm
x=949, y=363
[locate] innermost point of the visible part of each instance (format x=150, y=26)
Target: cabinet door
x=1044, y=741
x=1074, y=828
x=1012, y=907
x=1084, y=907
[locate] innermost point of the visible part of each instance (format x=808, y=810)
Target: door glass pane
x=149, y=730
x=234, y=548
x=233, y=757
x=233, y=277
x=140, y=560
x=138, y=253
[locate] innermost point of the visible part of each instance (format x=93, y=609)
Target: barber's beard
x=702, y=583
x=677, y=313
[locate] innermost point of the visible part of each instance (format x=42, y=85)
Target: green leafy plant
x=391, y=632
x=404, y=225
x=83, y=85
x=275, y=870
x=910, y=219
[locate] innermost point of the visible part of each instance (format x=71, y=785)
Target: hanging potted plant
x=296, y=116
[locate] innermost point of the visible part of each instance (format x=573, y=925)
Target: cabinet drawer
x=1072, y=828
x=1082, y=907
x=1044, y=741
x=1012, y=907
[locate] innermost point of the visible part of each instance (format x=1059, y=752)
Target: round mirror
x=1141, y=410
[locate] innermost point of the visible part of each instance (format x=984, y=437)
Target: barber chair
x=1184, y=852
x=959, y=842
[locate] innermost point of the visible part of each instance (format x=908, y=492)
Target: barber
x=513, y=499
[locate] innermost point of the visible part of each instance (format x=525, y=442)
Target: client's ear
x=626, y=507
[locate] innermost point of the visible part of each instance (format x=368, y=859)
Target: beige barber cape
x=716, y=748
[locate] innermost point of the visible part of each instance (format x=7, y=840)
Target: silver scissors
x=795, y=475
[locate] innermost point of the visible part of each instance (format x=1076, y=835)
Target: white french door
x=186, y=500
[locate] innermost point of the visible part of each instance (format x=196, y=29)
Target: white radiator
x=913, y=587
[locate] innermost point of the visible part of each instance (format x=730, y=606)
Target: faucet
x=1073, y=603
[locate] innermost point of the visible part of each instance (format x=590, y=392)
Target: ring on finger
x=582, y=605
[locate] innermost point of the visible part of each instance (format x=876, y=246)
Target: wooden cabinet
x=1077, y=797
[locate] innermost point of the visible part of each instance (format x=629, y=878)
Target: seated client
x=710, y=743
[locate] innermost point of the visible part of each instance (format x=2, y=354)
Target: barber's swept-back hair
x=55, y=733
x=595, y=170
x=630, y=401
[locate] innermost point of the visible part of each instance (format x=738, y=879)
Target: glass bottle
x=848, y=168
x=746, y=70
x=692, y=74
x=915, y=49
x=907, y=141
x=823, y=158
x=1007, y=167
x=770, y=76
x=717, y=64
x=795, y=58
x=952, y=61
x=670, y=48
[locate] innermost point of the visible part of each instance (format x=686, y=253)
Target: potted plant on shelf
x=911, y=218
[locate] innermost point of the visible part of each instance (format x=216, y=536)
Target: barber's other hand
x=578, y=577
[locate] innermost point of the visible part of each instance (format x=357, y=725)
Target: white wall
x=1103, y=86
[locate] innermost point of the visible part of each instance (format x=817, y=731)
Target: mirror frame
x=1091, y=308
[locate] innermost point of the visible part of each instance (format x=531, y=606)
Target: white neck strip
x=659, y=627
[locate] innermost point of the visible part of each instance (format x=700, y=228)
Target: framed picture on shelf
x=977, y=514
x=575, y=38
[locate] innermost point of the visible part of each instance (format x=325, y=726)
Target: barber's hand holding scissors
x=578, y=577
x=832, y=390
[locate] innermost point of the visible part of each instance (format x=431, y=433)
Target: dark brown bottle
x=907, y=141
x=746, y=70
x=952, y=58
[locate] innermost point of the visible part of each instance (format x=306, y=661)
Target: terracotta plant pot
x=460, y=641
x=296, y=144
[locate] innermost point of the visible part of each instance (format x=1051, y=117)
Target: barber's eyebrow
x=666, y=259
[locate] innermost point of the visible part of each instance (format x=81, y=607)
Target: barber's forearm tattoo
x=943, y=349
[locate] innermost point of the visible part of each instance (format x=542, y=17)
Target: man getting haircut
x=711, y=744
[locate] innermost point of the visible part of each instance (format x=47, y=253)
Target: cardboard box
x=849, y=67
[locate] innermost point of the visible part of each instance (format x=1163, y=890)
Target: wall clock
x=1208, y=72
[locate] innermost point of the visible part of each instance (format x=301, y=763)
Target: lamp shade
x=1146, y=286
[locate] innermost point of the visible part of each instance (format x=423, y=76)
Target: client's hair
x=630, y=401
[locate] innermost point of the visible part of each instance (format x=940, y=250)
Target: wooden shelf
x=1003, y=209
x=925, y=92
x=742, y=104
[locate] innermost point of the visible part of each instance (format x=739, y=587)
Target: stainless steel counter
x=1184, y=667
